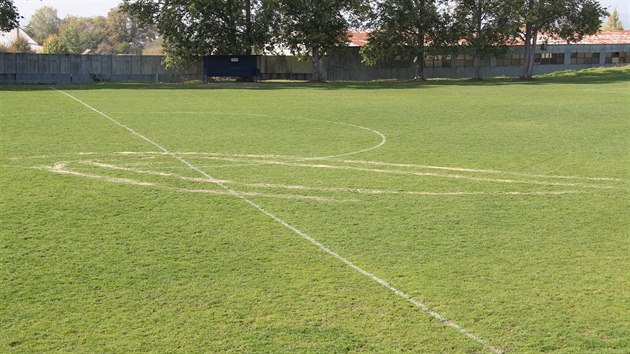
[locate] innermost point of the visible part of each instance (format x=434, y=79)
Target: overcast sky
x=101, y=7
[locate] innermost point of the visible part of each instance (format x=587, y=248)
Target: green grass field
x=501, y=206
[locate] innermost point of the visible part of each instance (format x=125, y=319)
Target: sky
x=89, y=8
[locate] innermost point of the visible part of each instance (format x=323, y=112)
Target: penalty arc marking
x=426, y=309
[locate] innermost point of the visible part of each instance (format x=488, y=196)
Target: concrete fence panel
x=341, y=64
x=69, y=68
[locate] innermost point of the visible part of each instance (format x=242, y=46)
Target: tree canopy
x=405, y=28
x=484, y=27
x=569, y=20
x=613, y=23
x=314, y=26
x=9, y=17
x=43, y=23
x=192, y=28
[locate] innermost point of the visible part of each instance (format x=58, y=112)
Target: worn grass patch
x=502, y=206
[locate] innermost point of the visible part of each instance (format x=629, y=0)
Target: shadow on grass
x=586, y=76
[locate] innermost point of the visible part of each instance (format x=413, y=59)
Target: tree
x=76, y=35
x=193, y=28
x=613, y=23
x=483, y=27
x=405, y=28
x=125, y=34
x=315, y=26
x=53, y=45
x=154, y=47
x=20, y=45
x=43, y=23
x=9, y=17
x=569, y=20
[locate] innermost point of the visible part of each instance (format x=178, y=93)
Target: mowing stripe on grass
x=426, y=309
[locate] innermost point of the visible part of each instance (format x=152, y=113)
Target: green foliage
x=154, y=47
x=9, y=16
x=119, y=33
x=78, y=34
x=70, y=38
x=90, y=262
x=53, y=45
x=407, y=29
x=43, y=24
x=483, y=27
x=570, y=20
x=125, y=34
x=613, y=23
x=20, y=45
x=202, y=27
x=313, y=27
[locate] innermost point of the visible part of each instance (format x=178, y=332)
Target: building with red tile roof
x=606, y=48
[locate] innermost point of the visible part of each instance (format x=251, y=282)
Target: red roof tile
x=608, y=37
x=359, y=39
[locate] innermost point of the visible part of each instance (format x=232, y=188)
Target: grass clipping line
x=426, y=309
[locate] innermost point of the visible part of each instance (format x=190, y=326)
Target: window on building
x=618, y=58
x=438, y=61
x=400, y=62
x=396, y=63
x=549, y=58
x=584, y=58
x=469, y=60
x=511, y=60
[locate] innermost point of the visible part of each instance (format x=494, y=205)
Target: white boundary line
x=426, y=309
x=381, y=135
x=298, y=158
x=420, y=174
x=62, y=168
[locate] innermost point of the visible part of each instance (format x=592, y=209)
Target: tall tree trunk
x=316, y=65
x=478, y=41
x=231, y=35
x=420, y=72
x=531, y=38
x=248, y=27
x=477, y=65
x=532, y=55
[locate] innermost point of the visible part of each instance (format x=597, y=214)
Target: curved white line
x=383, y=141
x=426, y=309
x=320, y=189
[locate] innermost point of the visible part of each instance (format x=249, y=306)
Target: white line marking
x=381, y=135
x=390, y=164
x=61, y=168
x=481, y=171
x=364, y=162
x=300, y=158
x=383, y=141
x=382, y=282
x=423, y=174
x=318, y=189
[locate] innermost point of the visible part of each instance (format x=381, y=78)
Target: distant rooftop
x=359, y=39
x=7, y=39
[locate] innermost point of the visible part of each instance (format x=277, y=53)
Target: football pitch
x=448, y=216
